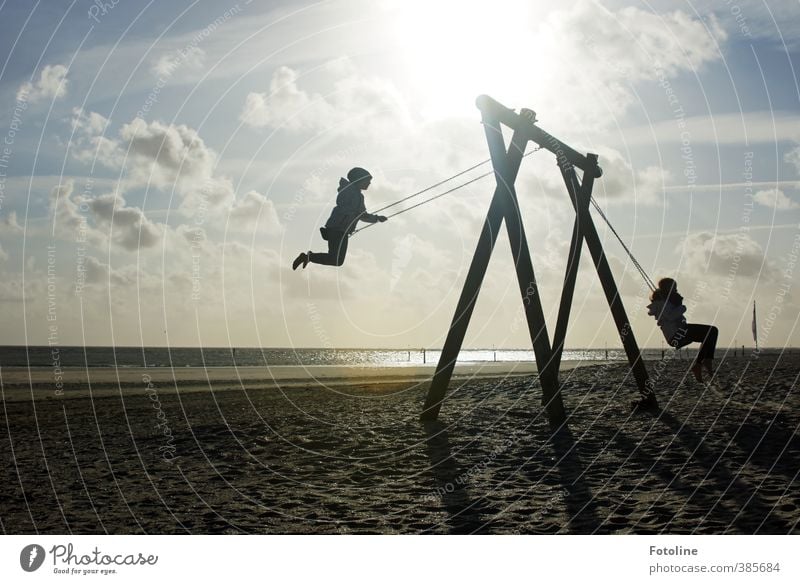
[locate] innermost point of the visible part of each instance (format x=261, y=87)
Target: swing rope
x=440, y=183
x=634, y=261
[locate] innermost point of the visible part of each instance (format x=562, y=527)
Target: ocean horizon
x=132, y=356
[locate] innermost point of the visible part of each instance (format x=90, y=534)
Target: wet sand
x=352, y=457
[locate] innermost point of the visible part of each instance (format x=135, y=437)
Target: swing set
x=505, y=207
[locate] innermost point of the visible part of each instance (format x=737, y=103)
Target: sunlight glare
x=454, y=51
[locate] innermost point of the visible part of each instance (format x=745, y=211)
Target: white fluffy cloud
x=165, y=153
x=735, y=254
x=775, y=198
x=632, y=42
x=285, y=104
x=90, y=124
x=255, y=210
x=793, y=158
x=96, y=271
x=354, y=101
x=163, y=156
x=52, y=84
x=10, y=224
x=621, y=47
x=89, y=143
x=68, y=220
x=150, y=152
x=191, y=59
x=98, y=219
x=127, y=226
x=621, y=181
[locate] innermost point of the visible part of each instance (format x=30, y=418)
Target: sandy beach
x=262, y=456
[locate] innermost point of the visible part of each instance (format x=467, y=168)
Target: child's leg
x=707, y=337
x=337, y=249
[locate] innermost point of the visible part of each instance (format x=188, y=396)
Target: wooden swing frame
x=504, y=205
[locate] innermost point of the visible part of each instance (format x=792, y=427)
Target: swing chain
x=447, y=192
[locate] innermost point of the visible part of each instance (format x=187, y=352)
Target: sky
x=162, y=164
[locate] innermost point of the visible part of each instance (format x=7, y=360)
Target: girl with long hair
x=666, y=305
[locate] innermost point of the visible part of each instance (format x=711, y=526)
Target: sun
x=451, y=52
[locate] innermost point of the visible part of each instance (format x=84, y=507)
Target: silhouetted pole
x=469, y=295
x=589, y=231
x=528, y=287
x=580, y=195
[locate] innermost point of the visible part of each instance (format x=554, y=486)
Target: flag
x=755, y=337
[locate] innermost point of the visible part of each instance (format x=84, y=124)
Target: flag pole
x=755, y=328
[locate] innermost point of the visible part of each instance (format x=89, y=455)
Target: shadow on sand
x=465, y=514
x=579, y=500
x=754, y=515
x=723, y=503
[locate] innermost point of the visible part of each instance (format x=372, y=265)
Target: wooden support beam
x=589, y=231
x=529, y=290
x=466, y=302
x=580, y=194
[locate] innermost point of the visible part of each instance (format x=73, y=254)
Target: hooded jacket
x=670, y=318
x=349, y=209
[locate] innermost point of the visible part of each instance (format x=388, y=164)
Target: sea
x=66, y=356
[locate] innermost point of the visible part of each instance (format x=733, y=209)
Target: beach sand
x=352, y=457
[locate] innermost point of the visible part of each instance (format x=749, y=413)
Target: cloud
x=635, y=42
x=354, y=101
x=52, y=83
x=793, y=158
x=13, y=290
x=3, y=254
x=164, y=153
x=254, y=209
x=285, y=104
x=164, y=156
x=753, y=127
x=402, y=252
x=624, y=47
x=194, y=235
x=775, y=198
x=88, y=123
x=10, y=224
x=89, y=143
x=128, y=226
x=96, y=271
x=200, y=198
x=151, y=152
x=724, y=255
x=192, y=59
x=621, y=182
x=69, y=222
x=749, y=20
